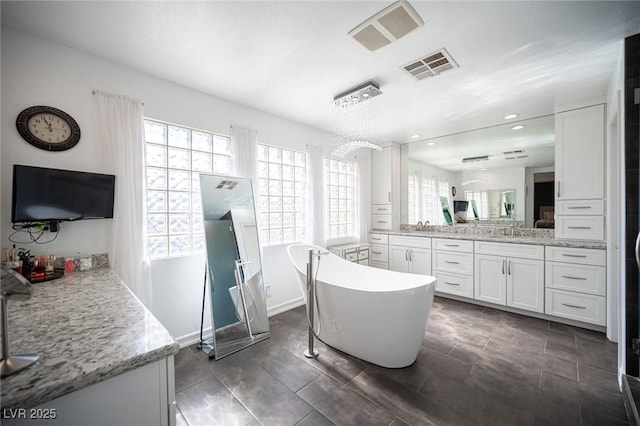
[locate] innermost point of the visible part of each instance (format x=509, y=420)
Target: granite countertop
x=87, y=327
x=517, y=239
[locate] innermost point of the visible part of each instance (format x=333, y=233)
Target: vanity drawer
x=576, y=255
x=527, y=251
x=381, y=209
x=404, y=241
x=465, y=246
x=381, y=221
x=363, y=253
x=575, y=306
x=580, y=227
x=579, y=207
x=351, y=257
x=460, y=285
x=461, y=263
x=379, y=253
x=379, y=238
x=379, y=265
x=580, y=278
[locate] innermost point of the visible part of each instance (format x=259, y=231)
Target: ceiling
x=290, y=58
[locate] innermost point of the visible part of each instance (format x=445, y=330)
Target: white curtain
x=244, y=150
x=315, y=187
x=363, y=197
x=119, y=125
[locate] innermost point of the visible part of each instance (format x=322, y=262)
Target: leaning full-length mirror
x=236, y=288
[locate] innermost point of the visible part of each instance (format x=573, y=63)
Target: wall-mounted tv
x=42, y=194
x=460, y=206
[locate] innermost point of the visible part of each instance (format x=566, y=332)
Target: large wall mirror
x=502, y=163
x=236, y=288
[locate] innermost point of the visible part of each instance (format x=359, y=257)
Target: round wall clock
x=48, y=128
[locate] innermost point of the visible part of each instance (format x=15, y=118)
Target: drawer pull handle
x=452, y=245
x=579, y=227
x=578, y=207
x=574, y=306
x=574, y=278
x=447, y=282
x=574, y=255
x=452, y=262
x=382, y=221
x=376, y=252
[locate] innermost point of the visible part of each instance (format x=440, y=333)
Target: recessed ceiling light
x=431, y=143
x=518, y=127
x=416, y=136
x=510, y=116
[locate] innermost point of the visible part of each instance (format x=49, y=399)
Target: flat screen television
x=42, y=194
x=460, y=206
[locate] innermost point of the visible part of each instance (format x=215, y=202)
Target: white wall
x=38, y=72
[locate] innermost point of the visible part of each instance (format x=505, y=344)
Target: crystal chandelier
x=355, y=119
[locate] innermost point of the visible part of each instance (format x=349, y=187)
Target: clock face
x=48, y=128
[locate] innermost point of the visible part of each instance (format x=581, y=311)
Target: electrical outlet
x=267, y=290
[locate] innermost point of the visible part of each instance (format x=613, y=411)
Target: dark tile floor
x=477, y=366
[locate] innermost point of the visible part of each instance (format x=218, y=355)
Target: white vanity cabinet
x=575, y=284
x=452, y=264
x=379, y=250
x=410, y=254
x=580, y=174
x=509, y=274
x=385, y=172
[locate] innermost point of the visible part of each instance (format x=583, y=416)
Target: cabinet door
x=420, y=261
x=398, y=259
x=381, y=172
x=525, y=284
x=489, y=281
x=580, y=153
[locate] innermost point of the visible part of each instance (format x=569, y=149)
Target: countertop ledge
x=87, y=327
x=601, y=245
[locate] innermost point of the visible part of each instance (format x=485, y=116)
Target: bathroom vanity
x=560, y=280
x=104, y=358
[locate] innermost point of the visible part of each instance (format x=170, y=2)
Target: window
x=421, y=199
x=281, y=190
x=174, y=157
x=339, y=177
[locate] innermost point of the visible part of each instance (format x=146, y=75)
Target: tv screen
x=460, y=206
x=42, y=194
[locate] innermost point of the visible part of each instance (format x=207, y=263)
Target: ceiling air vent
x=433, y=64
x=387, y=26
x=516, y=154
x=474, y=159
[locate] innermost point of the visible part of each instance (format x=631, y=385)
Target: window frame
x=328, y=210
x=191, y=223
x=293, y=181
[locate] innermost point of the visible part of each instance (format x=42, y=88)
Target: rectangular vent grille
x=387, y=26
x=516, y=154
x=431, y=65
x=474, y=159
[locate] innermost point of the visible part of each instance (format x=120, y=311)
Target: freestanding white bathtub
x=373, y=314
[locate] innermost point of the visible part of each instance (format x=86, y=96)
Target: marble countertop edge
x=601, y=245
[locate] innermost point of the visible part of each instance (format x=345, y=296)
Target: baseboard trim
x=194, y=337
x=629, y=403
x=283, y=307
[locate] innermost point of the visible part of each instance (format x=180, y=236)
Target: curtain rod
x=100, y=92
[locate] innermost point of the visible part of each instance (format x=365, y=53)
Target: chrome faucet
x=513, y=227
x=419, y=226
